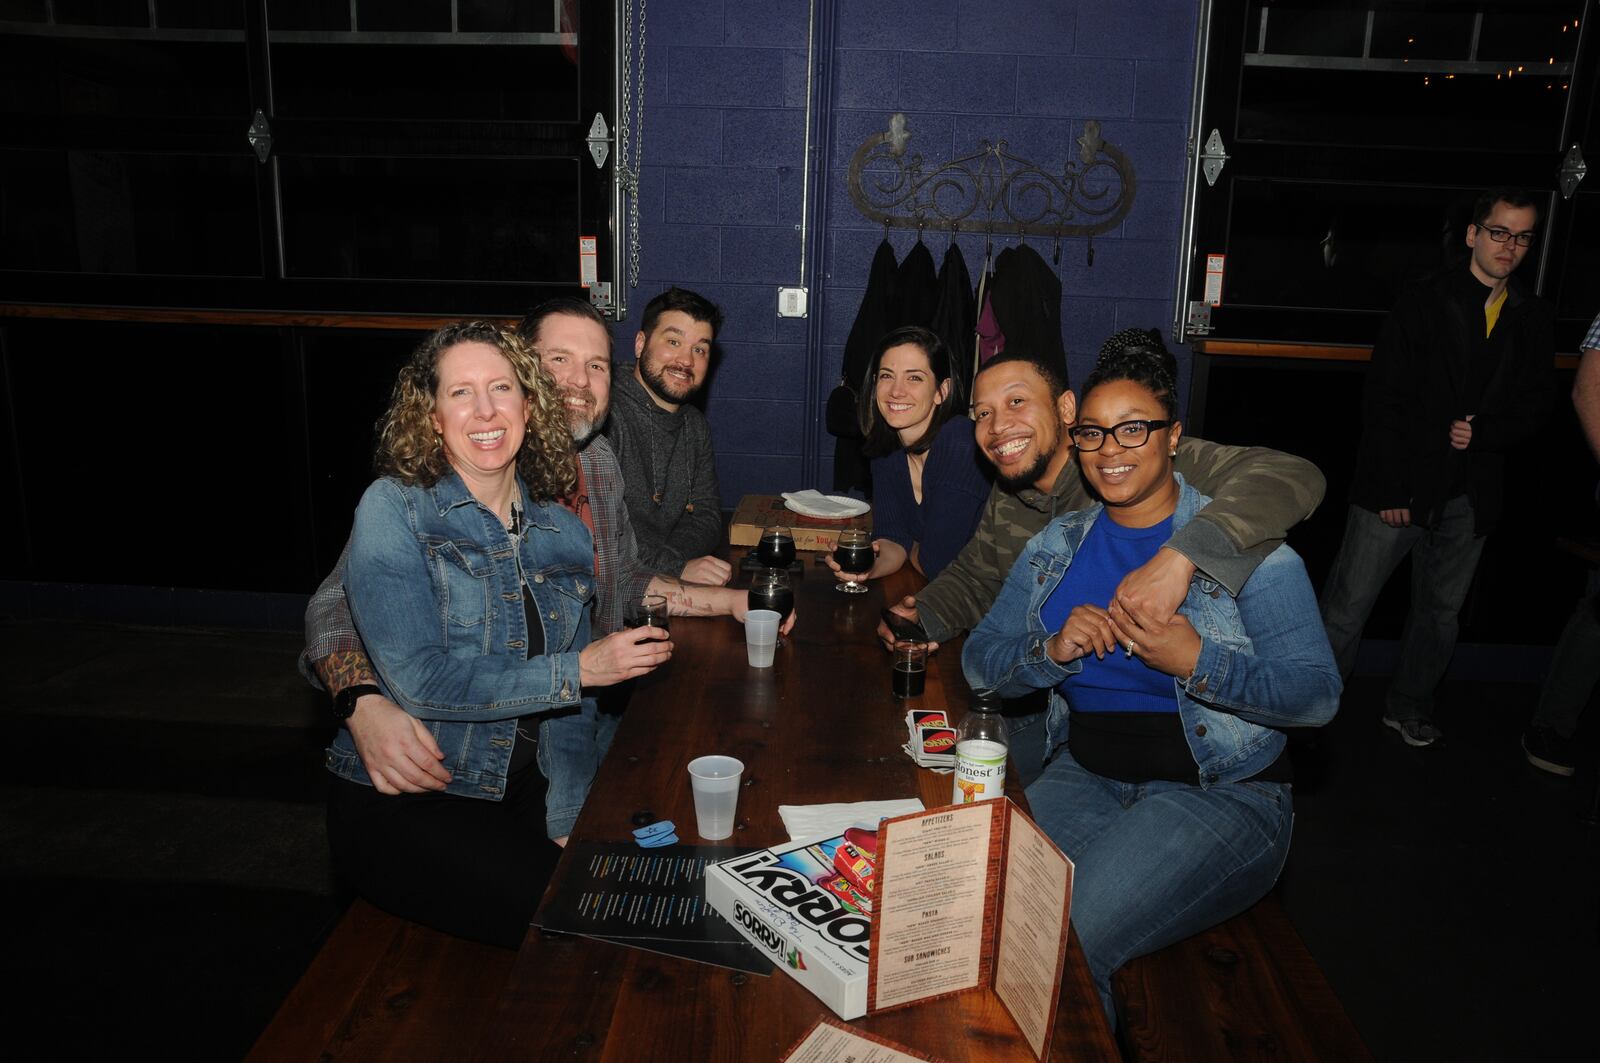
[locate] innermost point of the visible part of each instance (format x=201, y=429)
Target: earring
x=1172, y=453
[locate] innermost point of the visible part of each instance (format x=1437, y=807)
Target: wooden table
x=819, y=726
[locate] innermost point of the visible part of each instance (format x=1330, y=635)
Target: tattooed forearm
x=344, y=669
x=689, y=599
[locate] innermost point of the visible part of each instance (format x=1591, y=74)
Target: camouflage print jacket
x=1257, y=496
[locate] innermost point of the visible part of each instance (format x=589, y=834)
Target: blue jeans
x=1443, y=560
x=1158, y=861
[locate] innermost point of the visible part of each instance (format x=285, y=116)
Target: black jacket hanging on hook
x=1026, y=298
x=916, y=288
x=953, y=322
x=877, y=315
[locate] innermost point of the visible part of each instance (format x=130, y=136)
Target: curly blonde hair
x=410, y=450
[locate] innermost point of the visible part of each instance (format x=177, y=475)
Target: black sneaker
x=1547, y=750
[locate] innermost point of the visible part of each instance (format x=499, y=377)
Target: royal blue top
x=1117, y=682
x=955, y=485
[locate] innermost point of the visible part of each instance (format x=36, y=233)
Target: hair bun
x=1138, y=348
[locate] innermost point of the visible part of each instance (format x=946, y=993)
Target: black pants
x=475, y=869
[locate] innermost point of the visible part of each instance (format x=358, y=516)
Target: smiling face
x=1019, y=427
x=479, y=411
x=1492, y=262
x=906, y=391
x=576, y=352
x=674, y=358
x=1136, y=483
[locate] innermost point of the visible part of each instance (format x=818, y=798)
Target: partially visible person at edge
x=1549, y=742
x=574, y=346
x=1459, y=380
x=928, y=482
x=1167, y=785
x=669, y=471
x=473, y=453
x=1023, y=410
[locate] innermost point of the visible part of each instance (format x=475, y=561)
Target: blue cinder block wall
x=720, y=203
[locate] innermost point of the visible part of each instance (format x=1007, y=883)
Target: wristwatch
x=344, y=702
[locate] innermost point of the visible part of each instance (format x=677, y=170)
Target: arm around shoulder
x=1256, y=494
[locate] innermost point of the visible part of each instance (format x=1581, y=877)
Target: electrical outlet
x=791, y=302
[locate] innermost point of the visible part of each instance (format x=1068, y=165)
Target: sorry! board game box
x=808, y=906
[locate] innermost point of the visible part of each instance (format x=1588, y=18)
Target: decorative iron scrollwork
x=992, y=190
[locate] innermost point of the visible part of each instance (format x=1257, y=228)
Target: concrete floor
x=164, y=852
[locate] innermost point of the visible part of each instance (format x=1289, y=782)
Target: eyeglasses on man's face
x=1500, y=236
x=1130, y=434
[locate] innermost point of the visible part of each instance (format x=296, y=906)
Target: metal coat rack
x=992, y=191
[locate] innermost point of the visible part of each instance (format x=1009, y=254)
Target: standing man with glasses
x=1460, y=377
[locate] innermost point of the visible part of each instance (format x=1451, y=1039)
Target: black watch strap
x=344, y=702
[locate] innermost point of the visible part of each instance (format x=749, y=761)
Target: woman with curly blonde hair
x=471, y=586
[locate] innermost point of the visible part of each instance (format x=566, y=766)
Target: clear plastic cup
x=715, y=782
x=761, y=636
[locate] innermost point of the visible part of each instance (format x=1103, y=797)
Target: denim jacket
x=1264, y=656
x=435, y=590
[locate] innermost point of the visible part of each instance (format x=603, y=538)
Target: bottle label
x=980, y=771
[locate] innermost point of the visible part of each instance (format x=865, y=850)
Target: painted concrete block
x=1141, y=29
x=1162, y=90
x=961, y=84
x=1024, y=27
x=763, y=137
x=771, y=22
x=1075, y=86
x=682, y=136
x=865, y=78
x=757, y=254
x=742, y=195
x=681, y=254
x=909, y=25
x=753, y=77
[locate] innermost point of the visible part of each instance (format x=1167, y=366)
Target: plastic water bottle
x=981, y=748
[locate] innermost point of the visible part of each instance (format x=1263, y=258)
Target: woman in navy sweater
x=929, y=482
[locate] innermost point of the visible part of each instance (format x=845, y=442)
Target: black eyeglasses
x=1500, y=236
x=1130, y=434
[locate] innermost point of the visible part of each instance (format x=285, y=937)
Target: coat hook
x=1091, y=250
x=1055, y=259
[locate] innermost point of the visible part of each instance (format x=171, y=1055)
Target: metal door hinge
x=599, y=140
x=260, y=136
x=1213, y=158
x=600, y=295
x=1572, y=171
x=1199, y=323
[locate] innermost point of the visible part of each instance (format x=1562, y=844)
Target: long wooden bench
x=1247, y=989
x=383, y=988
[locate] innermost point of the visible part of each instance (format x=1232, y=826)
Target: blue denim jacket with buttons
x=1264, y=656
x=435, y=587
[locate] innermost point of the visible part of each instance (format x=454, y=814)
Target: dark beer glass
x=853, y=553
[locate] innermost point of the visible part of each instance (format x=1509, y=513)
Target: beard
x=584, y=423
x=1025, y=477
x=670, y=390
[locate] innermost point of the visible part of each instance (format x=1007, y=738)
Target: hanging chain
x=630, y=130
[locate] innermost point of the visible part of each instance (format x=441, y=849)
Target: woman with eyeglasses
x=1168, y=787
x=929, y=483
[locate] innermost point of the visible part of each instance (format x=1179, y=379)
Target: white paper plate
x=824, y=507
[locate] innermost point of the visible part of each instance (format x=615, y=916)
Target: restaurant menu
x=971, y=897
x=831, y=1041
x=650, y=899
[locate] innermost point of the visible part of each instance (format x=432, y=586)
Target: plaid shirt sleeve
x=620, y=575
x=330, y=628
x=1591, y=339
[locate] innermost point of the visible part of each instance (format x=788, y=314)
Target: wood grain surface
x=819, y=726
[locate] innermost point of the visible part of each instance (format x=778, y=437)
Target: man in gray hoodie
x=664, y=444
